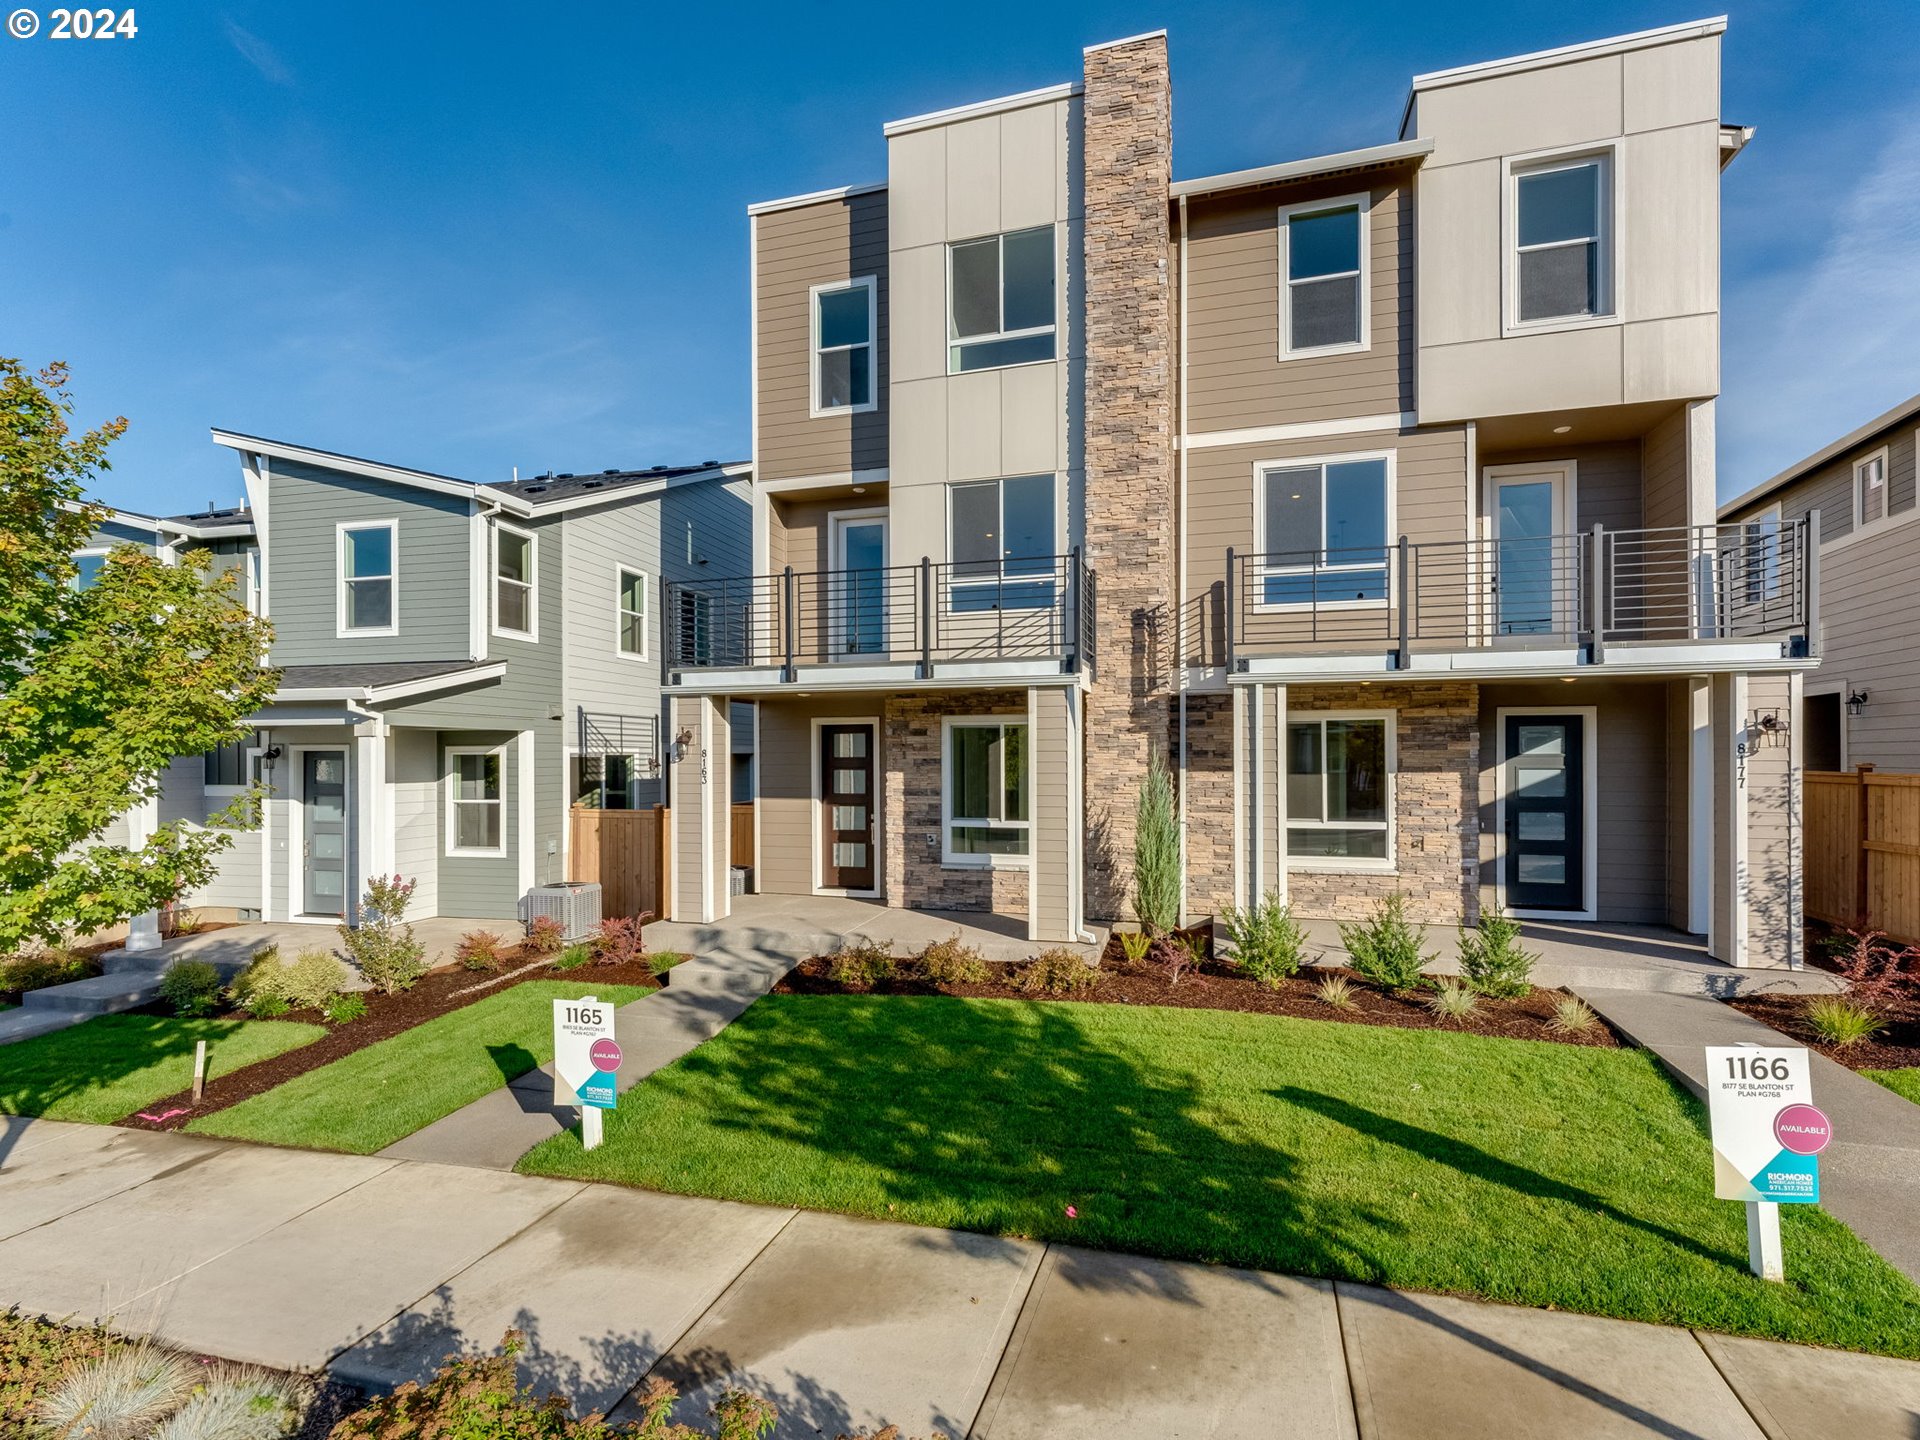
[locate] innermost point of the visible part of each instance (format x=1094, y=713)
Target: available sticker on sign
x=1767, y=1132
x=586, y=1057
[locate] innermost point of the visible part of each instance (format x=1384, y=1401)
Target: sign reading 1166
x=1767, y=1134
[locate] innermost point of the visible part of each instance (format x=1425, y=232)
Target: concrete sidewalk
x=381, y=1267
x=1869, y=1175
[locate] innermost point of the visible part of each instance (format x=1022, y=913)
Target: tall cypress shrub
x=1156, y=851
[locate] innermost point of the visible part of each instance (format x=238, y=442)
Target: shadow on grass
x=50, y=1073
x=512, y=1061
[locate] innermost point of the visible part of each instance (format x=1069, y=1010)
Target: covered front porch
x=807, y=925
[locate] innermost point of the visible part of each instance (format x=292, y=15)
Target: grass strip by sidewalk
x=365, y=1101
x=1905, y=1083
x=104, y=1069
x=1526, y=1172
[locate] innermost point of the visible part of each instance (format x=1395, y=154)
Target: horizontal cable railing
x=1025, y=609
x=1591, y=588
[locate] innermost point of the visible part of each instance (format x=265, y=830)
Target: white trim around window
x=91, y=552
x=1332, y=864
x=1363, y=205
x=971, y=860
x=1003, y=336
x=621, y=613
x=529, y=588
x=498, y=800
x=1260, y=537
x=871, y=345
x=1870, y=474
x=342, y=580
x=1610, y=267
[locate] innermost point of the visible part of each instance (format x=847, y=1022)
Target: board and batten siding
x=413, y=770
x=1235, y=375
x=836, y=240
x=308, y=504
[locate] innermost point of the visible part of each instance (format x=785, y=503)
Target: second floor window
x=1323, y=289
x=1562, y=223
x=87, y=565
x=1000, y=300
x=513, y=596
x=843, y=326
x=631, y=598
x=1324, y=525
x=1001, y=541
x=367, y=573
x=1870, y=490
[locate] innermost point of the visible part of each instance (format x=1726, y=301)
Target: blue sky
x=468, y=238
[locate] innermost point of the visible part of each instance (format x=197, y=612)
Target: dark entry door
x=323, y=802
x=846, y=807
x=1546, y=812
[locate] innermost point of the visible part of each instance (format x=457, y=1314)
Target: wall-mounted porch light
x=1856, y=702
x=1768, y=728
x=680, y=744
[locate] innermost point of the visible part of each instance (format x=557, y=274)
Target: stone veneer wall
x=1129, y=441
x=1209, y=803
x=910, y=790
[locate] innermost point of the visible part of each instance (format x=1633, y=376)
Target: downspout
x=1180, y=566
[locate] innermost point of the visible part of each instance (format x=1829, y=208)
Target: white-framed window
x=1000, y=300
x=607, y=782
x=1760, y=556
x=368, y=554
x=630, y=591
x=516, y=602
x=1340, y=790
x=846, y=318
x=250, y=579
x=1324, y=289
x=1001, y=541
x=1323, y=524
x=87, y=567
x=1870, y=492
x=985, y=790
x=1561, y=247
x=476, y=807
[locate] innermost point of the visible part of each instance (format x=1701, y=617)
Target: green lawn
x=1901, y=1082
x=365, y=1101
x=106, y=1068
x=1525, y=1172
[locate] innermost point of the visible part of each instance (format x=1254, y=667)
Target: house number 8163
x=92, y=25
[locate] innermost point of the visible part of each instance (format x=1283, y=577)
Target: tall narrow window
x=1000, y=300
x=250, y=559
x=514, y=604
x=1323, y=289
x=1002, y=542
x=87, y=565
x=631, y=602
x=1324, y=526
x=1760, y=556
x=986, y=791
x=1562, y=240
x=844, y=321
x=1337, y=790
x=1870, y=490
x=474, y=805
x=367, y=573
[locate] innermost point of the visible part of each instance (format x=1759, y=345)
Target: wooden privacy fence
x=1863, y=850
x=741, y=847
x=626, y=851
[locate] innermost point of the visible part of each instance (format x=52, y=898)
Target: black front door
x=846, y=807
x=1546, y=812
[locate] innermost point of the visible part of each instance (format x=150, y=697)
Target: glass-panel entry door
x=1534, y=559
x=1545, y=801
x=846, y=807
x=859, y=619
x=323, y=808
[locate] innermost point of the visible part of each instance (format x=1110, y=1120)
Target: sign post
x=586, y=1061
x=1767, y=1139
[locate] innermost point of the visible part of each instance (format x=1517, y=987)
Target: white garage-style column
x=143, y=930
x=372, y=825
x=699, y=788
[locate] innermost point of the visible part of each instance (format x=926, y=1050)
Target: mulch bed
x=1895, y=1048
x=1216, y=985
x=438, y=993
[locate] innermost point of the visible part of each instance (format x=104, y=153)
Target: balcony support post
x=1810, y=578
x=1070, y=636
x=1232, y=604
x=1597, y=582
x=1402, y=659
x=788, y=617
x=926, y=617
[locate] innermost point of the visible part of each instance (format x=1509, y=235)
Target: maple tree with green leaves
x=102, y=686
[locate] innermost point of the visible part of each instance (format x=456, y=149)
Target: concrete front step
x=23, y=1024
x=97, y=995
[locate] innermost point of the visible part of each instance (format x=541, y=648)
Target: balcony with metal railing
x=975, y=620
x=1625, y=599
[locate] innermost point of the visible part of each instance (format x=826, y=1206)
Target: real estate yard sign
x=1767, y=1135
x=586, y=1057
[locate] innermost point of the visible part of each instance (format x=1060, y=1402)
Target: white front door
x=1533, y=588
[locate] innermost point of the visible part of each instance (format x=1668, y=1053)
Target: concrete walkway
x=1869, y=1175
x=380, y=1268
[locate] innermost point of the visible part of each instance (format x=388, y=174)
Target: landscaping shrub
x=382, y=947
x=1384, y=949
x=38, y=969
x=1841, y=1022
x=661, y=961
x=1572, y=1016
x=573, y=957
x=1057, y=972
x=1453, y=1000
x=144, y=1391
x=263, y=982
x=238, y=1402
x=268, y=1007
x=954, y=962
x=1156, y=850
x=862, y=964
x=314, y=978
x=1875, y=969
x=1177, y=954
x=1491, y=960
x=619, y=941
x=1334, y=991
x=1268, y=943
x=184, y=922
x=546, y=935
x=191, y=988
x=34, y=1354
x=345, y=1008
x=1134, y=944
x=479, y=950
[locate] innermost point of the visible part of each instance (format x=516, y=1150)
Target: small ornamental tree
x=1156, y=850
x=101, y=686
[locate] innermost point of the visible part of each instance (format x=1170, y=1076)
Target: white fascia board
x=1046, y=95
x=371, y=469
x=814, y=197
x=124, y=517
x=226, y=530
x=1389, y=154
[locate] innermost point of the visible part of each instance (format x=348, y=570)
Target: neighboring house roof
x=1905, y=410
x=385, y=680
x=542, y=491
x=372, y=469
x=1372, y=158
x=211, y=524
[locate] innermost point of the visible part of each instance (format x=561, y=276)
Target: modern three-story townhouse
x=1375, y=490
x=459, y=664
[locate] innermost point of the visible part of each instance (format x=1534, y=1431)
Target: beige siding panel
x=1830, y=489
x=795, y=250
x=1055, y=836
x=1670, y=85
x=1870, y=609
x=1662, y=359
x=1773, y=841
x=1525, y=111
x=1663, y=463
x=789, y=805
